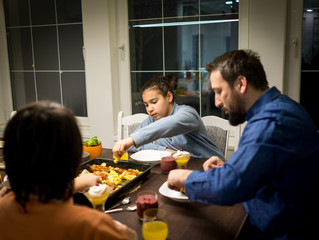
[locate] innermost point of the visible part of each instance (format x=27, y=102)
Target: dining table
x=186, y=219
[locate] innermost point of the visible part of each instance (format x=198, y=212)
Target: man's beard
x=237, y=113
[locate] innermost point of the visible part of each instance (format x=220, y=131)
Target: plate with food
x=173, y=194
x=150, y=155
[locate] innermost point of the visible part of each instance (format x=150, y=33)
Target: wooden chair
x=220, y=132
x=127, y=124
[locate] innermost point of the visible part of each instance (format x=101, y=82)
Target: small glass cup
x=182, y=160
x=146, y=199
x=167, y=164
x=154, y=224
x=98, y=202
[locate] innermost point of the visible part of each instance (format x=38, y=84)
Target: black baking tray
x=126, y=188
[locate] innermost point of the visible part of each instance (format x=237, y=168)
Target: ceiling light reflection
x=173, y=24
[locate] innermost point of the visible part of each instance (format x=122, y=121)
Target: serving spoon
x=129, y=208
x=123, y=202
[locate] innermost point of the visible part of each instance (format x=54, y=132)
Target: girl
x=169, y=127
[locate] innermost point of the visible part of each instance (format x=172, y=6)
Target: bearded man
x=274, y=172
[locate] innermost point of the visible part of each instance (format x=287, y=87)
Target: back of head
x=42, y=151
x=159, y=83
x=240, y=62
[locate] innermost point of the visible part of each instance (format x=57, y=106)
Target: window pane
x=20, y=50
x=218, y=7
x=139, y=9
x=69, y=11
x=45, y=48
x=16, y=13
x=216, y=39
x=71, y=44
x=146, y=48
x=74, y=93
x=42, y=12
x=181, y=47
x=181, y=8
x=48, y=86
x=23, y=88
x=194, y=32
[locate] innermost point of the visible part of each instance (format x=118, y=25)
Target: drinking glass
x=98, y=202
x=182, y=160
x=155, y=225
x=145, y=199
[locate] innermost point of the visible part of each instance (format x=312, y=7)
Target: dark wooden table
x=186, y=220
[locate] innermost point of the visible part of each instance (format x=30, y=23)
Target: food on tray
x=114, y=177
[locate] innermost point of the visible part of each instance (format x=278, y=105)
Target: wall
x=262, y=28
x=98, y=59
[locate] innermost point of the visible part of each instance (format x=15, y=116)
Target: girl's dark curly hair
x=160, y=83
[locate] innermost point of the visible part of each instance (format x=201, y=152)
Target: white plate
x=150, y=155
x=172, y=194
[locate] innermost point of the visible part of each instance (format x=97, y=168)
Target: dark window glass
x=69, y=11
x=42, y=12
x=218, y=7
x=181, y=47
x=45, y=48
x=71, y=45
x=216, y=39
x=174, y=8
x=180, y=38
x=74, y=93
x=141, y=9
x=146, y=48
x=17, y=13
x=23, y=88
x=48, y=86
x=20, y=48
x=310, y=58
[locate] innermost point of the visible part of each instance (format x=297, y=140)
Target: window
x=45, y=41
x=180, y=38
x=310, y=58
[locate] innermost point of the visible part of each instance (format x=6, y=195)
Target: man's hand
x=213, y=162
x=121, y=146
x=177, y=177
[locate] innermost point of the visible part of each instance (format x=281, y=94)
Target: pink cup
x=167, y=164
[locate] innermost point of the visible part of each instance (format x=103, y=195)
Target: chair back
x=234, y=132
x=127, y=124
x=219, y=137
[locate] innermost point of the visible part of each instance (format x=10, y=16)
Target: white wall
x=262, y=28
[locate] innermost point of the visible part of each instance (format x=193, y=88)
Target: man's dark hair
x=240, y=62
x=42, y=151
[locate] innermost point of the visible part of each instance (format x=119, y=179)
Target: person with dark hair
x=172, y=80
x=169, y=127
x=42, y=151
x=274, y=171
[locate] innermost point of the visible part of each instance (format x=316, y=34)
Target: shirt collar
x=267, y=97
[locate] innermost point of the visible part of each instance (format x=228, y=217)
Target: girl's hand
x=85, y=181
x=121, y=146
x=213, y=162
